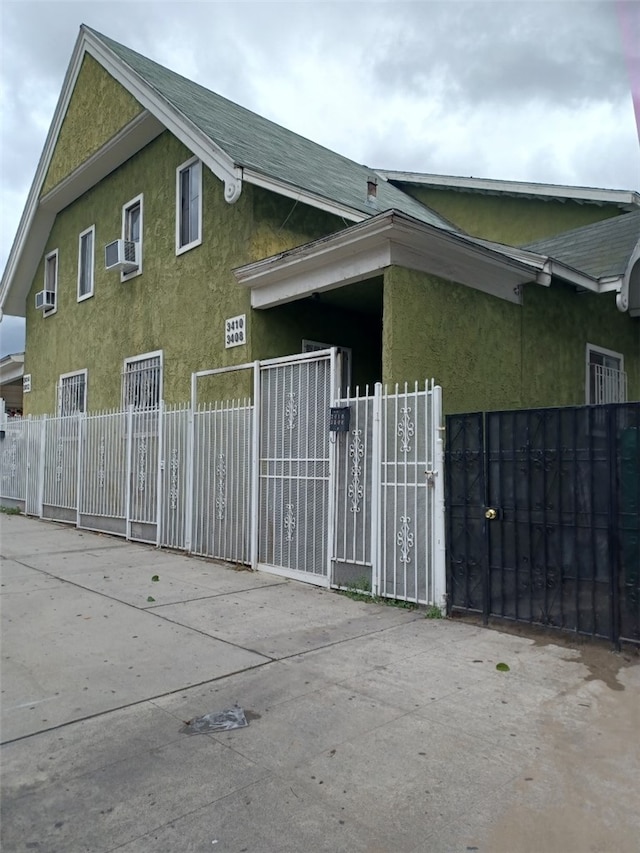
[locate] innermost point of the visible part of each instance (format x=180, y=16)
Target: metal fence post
x=376, y=480
x=42, y=423
x=438, y=533
x=129, y=423
x=79, y=477
x=189, y=488
x=159, y=473
x=255, y=469
x=335, y=362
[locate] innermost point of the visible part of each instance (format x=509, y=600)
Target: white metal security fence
x=270, y=481
x=390, y=495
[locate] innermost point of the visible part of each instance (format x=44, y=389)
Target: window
x=132, y=230
x=606, y=380
x=85, y=263
x=72, y=393
x=345, y=360
x=142, y=381
x=188, y=205
x=51, y=279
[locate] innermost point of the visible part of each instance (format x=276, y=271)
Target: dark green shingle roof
x=256, y=143
x=601, y=249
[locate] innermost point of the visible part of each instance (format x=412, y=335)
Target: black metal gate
x=543, y=517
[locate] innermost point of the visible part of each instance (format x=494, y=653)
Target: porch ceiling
x=365, y=250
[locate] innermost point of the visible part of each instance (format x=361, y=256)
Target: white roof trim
x=11, y=368
x=365, y=250
x=627, y=199
x=39, y=214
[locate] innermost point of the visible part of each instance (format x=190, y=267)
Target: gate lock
x=491, y=514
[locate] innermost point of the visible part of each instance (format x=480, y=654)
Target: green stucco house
x=169, y=231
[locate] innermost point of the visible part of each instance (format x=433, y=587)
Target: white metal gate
x=295, y=516
x=262, y=469
x=389, y=533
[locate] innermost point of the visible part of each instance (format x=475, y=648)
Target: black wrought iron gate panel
x=543, y=517
x=465, y=498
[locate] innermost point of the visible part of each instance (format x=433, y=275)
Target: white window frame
x=138, y=200
x=600, y=351
x=346, y=359
x=198, y=240
x=91, y=230
x=84, y=373
x=143, y=357
x=47, y=258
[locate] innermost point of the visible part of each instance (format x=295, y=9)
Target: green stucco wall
x=99, y=107
x=281, y=223
x=491, y=354
x=514, y=221
x=179, y=303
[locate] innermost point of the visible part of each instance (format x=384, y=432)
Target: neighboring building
x=239, y=240
x=11, y=382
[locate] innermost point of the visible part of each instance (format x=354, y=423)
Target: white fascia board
x=315, y=254
x=624, y=198
x=572, y=276
x=331, y=275
x=31, y=205
x=313, y=200
x=610, y=284
x=11, y=369
x=171, y=118
x=364, y=250
x=138, y=133
x=131, y=139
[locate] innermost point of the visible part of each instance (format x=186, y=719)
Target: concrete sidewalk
x=371, y=728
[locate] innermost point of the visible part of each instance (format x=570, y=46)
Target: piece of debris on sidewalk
x=221, y=721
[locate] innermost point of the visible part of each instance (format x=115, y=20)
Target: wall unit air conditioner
x=122, y=255
x=45, y=299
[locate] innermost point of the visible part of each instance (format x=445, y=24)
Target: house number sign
x=235, y=331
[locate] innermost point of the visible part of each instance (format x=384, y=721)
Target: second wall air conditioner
x=122, y=255
x=45, y=300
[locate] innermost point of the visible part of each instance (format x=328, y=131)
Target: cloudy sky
x=531, y=91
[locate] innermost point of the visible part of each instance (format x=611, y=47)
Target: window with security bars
x=72, y=393
x=142, y=382
x=606, y=378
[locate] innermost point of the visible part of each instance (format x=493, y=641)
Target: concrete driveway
x=372, y=728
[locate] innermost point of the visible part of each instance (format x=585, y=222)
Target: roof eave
x=12, y=290
x=625, y=199
x=366, y=249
